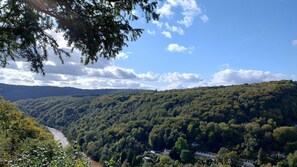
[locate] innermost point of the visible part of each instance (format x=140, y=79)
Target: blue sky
x=195, y=43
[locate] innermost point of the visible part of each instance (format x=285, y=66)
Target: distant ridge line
x=21, y=92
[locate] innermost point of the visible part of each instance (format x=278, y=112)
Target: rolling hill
x=250, y=121
x=18, y=92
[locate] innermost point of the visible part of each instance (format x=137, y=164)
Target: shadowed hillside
x=17, y=92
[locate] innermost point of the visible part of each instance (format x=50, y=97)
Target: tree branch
x=4, y=6
x=41, y=8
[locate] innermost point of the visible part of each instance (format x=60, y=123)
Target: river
x=59, y=136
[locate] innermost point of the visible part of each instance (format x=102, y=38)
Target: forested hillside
x=251, y=121
x=18, y=92
x=23, y=142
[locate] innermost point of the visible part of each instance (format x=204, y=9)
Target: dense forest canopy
x=250, y=121
x=97, y=28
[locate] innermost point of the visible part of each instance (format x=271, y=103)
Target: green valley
x=256, y=122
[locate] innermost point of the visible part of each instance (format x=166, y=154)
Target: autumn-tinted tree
x=98, y=28
x=23, y=142
x=292, y=159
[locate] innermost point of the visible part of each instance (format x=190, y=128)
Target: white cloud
x=18, y=77
x=149, y=76
x=177, y=80
x=114, y=78
x=66, y=69
x=178, y=30
x=99, y=83
x=179, y=48
x=181, y=77
x=191, y=49
x=59, y=38
x=190, y=9
x=50, y=63
x=176, y=48
x=294, y=42
x=230, y=77
x=157, y=23
x=165, y=10
x=117, y=77
x=167, y=34
x=175, y=86
x=151, y=32
x=204, y=18
x=105, y=74
x=122, y=56
x=180, y=14
x=113, y=72
x=102, y=68
x=134, y=12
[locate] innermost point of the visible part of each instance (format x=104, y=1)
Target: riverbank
x=59, y=136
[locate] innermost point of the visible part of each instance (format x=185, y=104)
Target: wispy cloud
x=118, y=77
x=105, y=74
x=158, y=23
x=149, y=76
x=176, y=16
x=182, y=77
x=178, y=30
x=59, y=38
x=111, y=72
x=151, y=32
x=122, y=56
x=189, y=8
x=294, y=42
x=179, y=48
x=230, y=77
x=204, y=18
x=176, y=48
x=167, y=34
x=165, y=10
